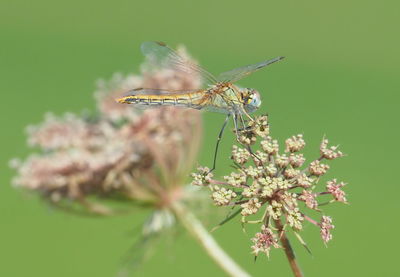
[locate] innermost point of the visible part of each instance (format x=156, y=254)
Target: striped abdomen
x=190, y=100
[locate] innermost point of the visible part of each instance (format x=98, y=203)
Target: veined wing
x=157, y=91
x=160, y=55
x=145, y=97
x=241, y=72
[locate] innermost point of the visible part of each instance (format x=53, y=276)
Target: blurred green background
x=340, y=78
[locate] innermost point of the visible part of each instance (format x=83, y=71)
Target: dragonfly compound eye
x=256, y=99
x=253, y=101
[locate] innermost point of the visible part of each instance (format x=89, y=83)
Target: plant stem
x=197, y=230
x=288, y=250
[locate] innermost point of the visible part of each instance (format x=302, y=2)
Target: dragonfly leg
x=236, y=127
x=247, y=114
x=244, y=126
x=218, y=141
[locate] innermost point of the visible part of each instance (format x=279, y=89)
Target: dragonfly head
x=251, y=99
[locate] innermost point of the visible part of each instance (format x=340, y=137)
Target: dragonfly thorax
x=251, y=99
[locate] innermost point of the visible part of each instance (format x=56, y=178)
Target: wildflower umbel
x=273, y=185
x=122, y=152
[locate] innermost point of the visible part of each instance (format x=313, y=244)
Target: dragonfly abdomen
x=180, y=100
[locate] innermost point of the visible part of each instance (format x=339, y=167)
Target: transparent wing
x=241, y=72
x=154, y=91
x=160, y=55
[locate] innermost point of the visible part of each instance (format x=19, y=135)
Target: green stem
x=197, y=230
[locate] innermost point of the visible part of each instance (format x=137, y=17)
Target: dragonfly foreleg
x=219, y=140
x=247, y=114
x=236, y=127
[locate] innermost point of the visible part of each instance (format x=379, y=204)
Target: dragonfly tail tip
x=121, y=100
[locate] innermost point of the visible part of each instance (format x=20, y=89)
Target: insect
x=221, y=95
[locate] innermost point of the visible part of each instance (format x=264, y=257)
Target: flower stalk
x=210, y=246
x=288, y=250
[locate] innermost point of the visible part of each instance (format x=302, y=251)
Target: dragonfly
x=219, y=93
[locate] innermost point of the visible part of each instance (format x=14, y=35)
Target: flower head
x=240, y=155
x=203, y=177
x=270, y=146
x=326, y=226
x=122, y=153
x=295, y=143
x=317, y=168
x=273, y=184
x=264, y=240
x=335, y=189
x=329, y=153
